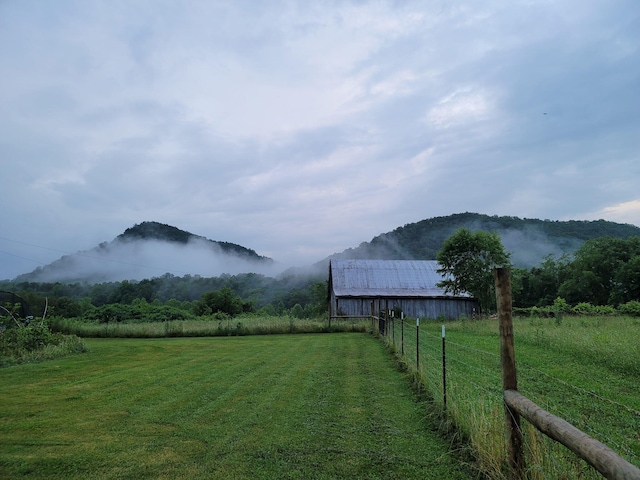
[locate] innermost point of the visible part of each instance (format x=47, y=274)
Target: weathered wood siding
x=450, y=308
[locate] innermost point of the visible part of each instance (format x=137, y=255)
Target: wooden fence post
x=515, y=450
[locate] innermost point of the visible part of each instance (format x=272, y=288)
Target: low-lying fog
x=139, y=259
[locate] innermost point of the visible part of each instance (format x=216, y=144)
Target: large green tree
x=604, y=271
x=539, y=285
x=467, y=260
x=223, y=300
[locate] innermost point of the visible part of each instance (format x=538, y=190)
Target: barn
x=366, y=287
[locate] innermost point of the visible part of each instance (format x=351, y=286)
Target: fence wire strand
x=471, y=371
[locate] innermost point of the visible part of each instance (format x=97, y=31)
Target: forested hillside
x=578, y=262
x=151, y=249
x=528, y=240
x=168, y=233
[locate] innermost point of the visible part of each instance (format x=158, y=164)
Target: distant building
x=365, y=287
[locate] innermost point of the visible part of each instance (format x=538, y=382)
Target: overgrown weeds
x=36, y=343
x=208, y=327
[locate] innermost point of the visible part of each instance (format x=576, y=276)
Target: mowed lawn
x=283, y=406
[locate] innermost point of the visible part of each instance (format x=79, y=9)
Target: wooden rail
x=596, y=454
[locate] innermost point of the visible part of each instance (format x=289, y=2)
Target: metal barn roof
x=386, y=278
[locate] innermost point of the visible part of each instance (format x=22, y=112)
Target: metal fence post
x=444, y=373
x=402, y=333
x=393, y=326
x=418, y=344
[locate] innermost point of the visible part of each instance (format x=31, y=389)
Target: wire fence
x=465, y=383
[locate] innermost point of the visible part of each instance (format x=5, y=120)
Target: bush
x=25, y=339
x=605, y=310
x=139, y=312
x=560, y=305
x=35, y=343
x=631, y=308
x=584, y=308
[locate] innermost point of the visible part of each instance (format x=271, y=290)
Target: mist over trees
x=579, y=269
x=255, y=293
x=604, y=271
x=529, y=241
x=150, y=249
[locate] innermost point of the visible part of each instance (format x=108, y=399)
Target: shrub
x=584, y=308
x=138, y=312
x=560, y=305
x=605, y=310
x=631, y=308
x=35, y=343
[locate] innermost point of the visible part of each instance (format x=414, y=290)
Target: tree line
x=603, y=272
x=305, y=296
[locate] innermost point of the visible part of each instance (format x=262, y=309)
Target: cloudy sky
x=299, y=128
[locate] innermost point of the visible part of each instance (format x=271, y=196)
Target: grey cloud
x=266, y=124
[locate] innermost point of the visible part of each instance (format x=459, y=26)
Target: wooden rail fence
x=596, y=454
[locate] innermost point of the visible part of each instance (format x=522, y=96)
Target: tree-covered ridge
x=168, y=233
x=156, y=231
x=257, y=291
x=529, y=240
x=602, y=276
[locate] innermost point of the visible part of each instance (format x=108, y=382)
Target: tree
x=539, y=286
x=223, y=300
x=604, y=271
x=467, y=261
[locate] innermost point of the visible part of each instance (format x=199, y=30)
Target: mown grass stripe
x=301, y=406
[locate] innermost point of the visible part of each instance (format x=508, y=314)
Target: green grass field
x=280, y=406
x=585, y=370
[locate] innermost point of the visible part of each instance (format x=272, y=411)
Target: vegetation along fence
x=471, y=377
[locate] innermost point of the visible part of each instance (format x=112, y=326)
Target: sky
x=300, y=129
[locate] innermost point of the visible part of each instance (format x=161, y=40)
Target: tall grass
x=238, y=326
x=36, y=343
x=583, y=369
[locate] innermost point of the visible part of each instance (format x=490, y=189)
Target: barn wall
x=352, y=306
x=450, y=308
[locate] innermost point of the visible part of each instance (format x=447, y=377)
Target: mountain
x=528, y=240
x=151, y=249
x=167, y=233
